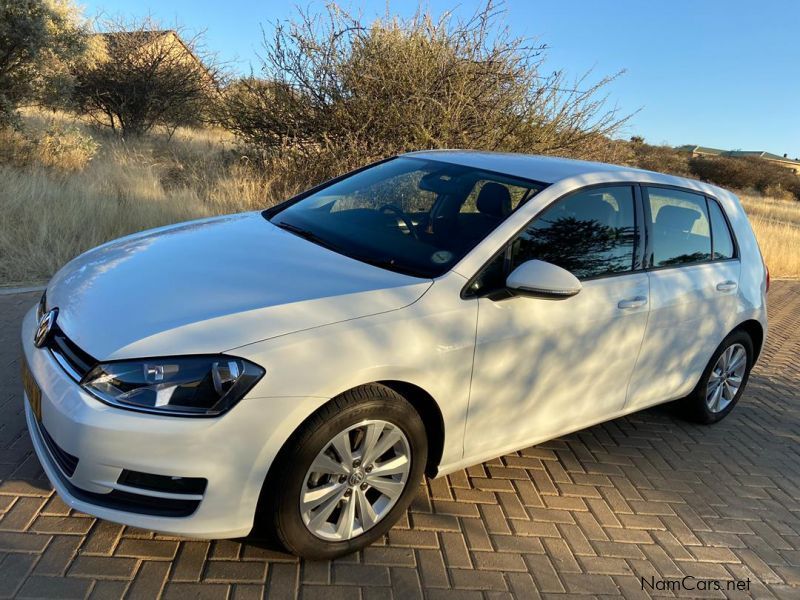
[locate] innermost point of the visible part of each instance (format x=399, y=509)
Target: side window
x=590, y=233
x=721, y=238
x=681, y=232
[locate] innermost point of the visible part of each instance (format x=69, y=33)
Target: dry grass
x=49, y=214
x=771, y=209
x=777, y=226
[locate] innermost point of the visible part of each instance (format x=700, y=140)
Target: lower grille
x=141, y=504
x=116, y=499
x=64, y=459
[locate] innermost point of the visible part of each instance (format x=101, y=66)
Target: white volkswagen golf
x=301, y=368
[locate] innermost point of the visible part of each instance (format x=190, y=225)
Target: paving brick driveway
x=647, y=495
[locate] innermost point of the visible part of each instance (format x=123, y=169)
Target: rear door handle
x=632, y=302
x=726, y=286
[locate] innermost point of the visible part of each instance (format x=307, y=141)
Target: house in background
x=783, y=161
x=151, y=46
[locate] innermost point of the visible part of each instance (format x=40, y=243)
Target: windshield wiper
x=307, y=235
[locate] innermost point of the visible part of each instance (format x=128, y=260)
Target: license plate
x=32, y=390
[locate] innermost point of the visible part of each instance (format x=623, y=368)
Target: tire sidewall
x=703, y=413
x=288, y=521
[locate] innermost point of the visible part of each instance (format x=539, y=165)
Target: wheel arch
x=756, y=332
x=431, y=416
x=419, y=398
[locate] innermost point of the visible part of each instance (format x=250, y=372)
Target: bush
x=146, y=76
x=65, y=148
x=661, y=158
x=16, y=149
x=740, y=173
x=745, y=174
x=40, y=41
x=57, y=146
x=777, y=191
x=336, y=92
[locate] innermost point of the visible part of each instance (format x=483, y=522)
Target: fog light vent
x=163, y=483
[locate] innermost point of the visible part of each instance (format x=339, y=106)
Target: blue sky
x=723, y=73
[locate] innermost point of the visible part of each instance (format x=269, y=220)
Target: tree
x=147, y=76
x=340, y=92
x=40, y=42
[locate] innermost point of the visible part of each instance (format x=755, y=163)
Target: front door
x=545, y=367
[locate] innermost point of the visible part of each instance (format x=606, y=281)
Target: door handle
x=632, y=302
x=726, y=286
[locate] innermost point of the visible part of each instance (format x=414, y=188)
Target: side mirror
x=543, y=280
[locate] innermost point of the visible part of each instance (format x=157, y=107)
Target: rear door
x=694, y=270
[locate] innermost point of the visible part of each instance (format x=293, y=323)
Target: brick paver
x=588, y=514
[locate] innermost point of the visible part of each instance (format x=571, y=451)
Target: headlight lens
x=202, y=386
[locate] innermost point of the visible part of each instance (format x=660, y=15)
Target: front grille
x=64, y=459
x=74, y=360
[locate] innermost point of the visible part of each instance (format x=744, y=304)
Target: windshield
x=411, y=215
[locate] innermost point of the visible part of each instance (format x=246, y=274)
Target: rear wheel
x=723, y=380
x=349, y=473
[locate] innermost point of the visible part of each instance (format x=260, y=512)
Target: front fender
x=429, y=344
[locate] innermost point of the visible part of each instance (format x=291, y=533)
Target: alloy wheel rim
x=726, y=378
x=355, y=480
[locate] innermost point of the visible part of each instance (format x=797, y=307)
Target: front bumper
x=232, y=452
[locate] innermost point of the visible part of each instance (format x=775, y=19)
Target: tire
x=702, y=408
x=314, y=464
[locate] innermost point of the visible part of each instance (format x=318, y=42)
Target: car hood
x=210, y=286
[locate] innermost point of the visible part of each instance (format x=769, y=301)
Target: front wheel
x=723, y=381
x=349, y=473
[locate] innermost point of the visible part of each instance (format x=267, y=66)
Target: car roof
x=546, y=169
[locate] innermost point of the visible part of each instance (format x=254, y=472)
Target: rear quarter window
x=722, y=239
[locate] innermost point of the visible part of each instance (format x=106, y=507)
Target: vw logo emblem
x=356, y=478
x=45, y=327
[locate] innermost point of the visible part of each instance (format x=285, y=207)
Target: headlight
x=202, y=386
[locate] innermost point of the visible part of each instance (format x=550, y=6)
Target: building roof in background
x=701, y=149
x=738, y=153
x=762, y=154
x=144, y=37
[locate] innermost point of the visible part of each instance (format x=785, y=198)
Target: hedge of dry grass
x=49, y=214
x=777, y=227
